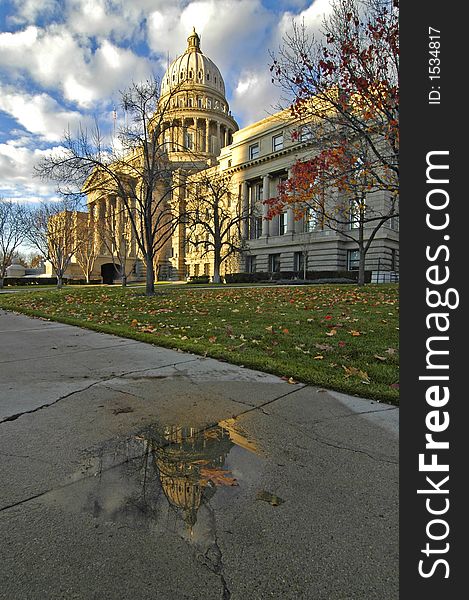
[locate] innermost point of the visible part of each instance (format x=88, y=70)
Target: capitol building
x=203, y=137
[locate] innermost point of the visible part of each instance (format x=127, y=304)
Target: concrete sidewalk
x=131, y=471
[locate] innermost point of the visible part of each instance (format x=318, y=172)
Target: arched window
x=190, y=74
x=208, y=76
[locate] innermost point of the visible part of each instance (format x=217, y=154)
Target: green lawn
x=340, y=337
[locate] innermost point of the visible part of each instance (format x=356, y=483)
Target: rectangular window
x=305, y=134
x=354, y=215
x=393, y=259
x=189, y=141
x=282, y=224
x=196, y=270
x=253, y=151
x=274, y=263
x=395, y=223
x=199, y=102
x=353, y=259
x=277, y=142
x=251, y=264
x=311, y=220
x=299, y=263
x=257, y=227
x=209, y=103
x=207, y=269
x=258, y=192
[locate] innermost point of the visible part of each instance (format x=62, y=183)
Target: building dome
x=193, y=113
x=16, y=269
x=193, y=68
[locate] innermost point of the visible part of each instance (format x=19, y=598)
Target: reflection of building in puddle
x=190, y=466
x=165, y=479
x=189, y=463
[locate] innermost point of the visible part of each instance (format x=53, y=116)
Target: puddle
x=169, y=478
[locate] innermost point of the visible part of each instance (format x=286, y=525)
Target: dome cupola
x=191, y=69
x=197, y=116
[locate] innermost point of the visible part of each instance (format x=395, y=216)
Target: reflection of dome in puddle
x=183, y=457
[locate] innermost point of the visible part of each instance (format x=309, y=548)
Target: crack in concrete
x=66, y=485
x=216, y=566
x=131, y=343
x=324, y=442
x=26, y=456
x=84, y=389
x=33, y=410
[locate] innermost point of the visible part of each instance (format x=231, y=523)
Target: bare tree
x=214, y=218
x=135, y=167
x=116, y=236
x=88, y=250
x=12, y=228
x=52, y=230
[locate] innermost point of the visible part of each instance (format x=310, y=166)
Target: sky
x=63, y=62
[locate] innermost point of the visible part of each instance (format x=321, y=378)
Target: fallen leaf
x=331, y=332
x=212, y=339
x=323, y=347
x=269, y=498
x=354, y=333
x=381, y=358
x=217, y=476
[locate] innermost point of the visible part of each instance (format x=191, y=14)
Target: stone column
x=290, y=215
x=245, y=209
x=207, y=135
x=198, y=137
x=218, y=137
x=225, y=137
x=265, y=208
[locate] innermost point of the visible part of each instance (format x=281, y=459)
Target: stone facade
x=202, y=134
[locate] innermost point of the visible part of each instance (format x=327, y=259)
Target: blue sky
x=63, y=62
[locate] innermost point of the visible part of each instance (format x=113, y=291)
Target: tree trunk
x=59, y=281
x=216, y=267
x=216, y=274
x=150, y=279
x=361, y=265
x=1, y=283
x=124, y=279
x=361, y=247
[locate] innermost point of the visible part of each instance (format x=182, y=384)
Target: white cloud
x=55, y=59
x=27, y=11
x=18, y=181
x=39, y=114
x=254, y=97
x=84, y=51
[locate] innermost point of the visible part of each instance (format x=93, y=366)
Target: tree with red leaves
x=345, y=91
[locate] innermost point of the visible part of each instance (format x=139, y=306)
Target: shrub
x=350, y=276
x=199, y=279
